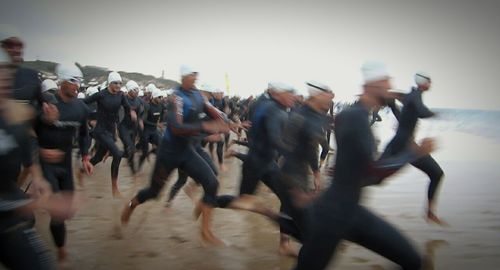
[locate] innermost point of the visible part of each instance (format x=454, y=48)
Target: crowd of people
x=287, y=135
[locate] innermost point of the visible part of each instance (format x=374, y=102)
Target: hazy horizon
x=292, y=41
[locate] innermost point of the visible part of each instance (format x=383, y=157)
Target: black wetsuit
x=303, y=133
x=186, y=108
x=413, y=109
x=27, y=89
x=154, y=114
x=183, y=177
x=93, y=110
x=128, y=131
x=220, y=104
x=21, y=246
x=108, y=107
x=337, y=214
x=73, y=116
x=265, y=143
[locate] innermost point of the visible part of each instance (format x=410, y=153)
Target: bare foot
x=432, y=218
x=209, y=239
x=62, y=254
x=253, y=204
x=127, y=212
x=117, y=194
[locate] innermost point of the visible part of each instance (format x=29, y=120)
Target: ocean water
x=481, y=123
x=477, y=122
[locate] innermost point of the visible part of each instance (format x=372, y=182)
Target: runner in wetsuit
x=109, y=101
x=56, y=143
x=219, y=102
x=177, y=150
x=268, y=116
x=337, y=214
x=27, y=90
x=183, y=177
x=413, y=109
x=325, y=144
x=303, y=133
x=153, y=120
x=128, y=129
x=21, y=246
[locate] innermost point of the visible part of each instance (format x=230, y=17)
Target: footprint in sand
x=149, y=254
x=360, y=260
x=178, y=239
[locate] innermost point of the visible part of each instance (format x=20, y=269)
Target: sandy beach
x=155, y=239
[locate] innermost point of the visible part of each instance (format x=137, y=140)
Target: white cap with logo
x=316, y=88
x=422, y=78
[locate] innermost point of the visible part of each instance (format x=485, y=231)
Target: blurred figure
x=304, y=132
x=26, y=89
x=56, y=143
x=21, y=246
x=413, y=109
x=337, y=214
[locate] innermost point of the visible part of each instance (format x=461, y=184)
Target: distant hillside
x=100, y=74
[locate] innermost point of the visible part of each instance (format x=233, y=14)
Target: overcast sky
x=456, y=42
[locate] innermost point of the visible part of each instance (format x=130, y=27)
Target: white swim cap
x=374, y=71
x=48, y=84
x=114, y=77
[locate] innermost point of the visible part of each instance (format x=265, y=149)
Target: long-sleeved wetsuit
x=186, y=109
x=21, y=246
x=153, y=115
x=128, y=130
x=108, y=107
x=413, y=109
x=73, y=116
x=337, y=214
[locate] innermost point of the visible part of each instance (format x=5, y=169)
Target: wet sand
x=470, y=196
